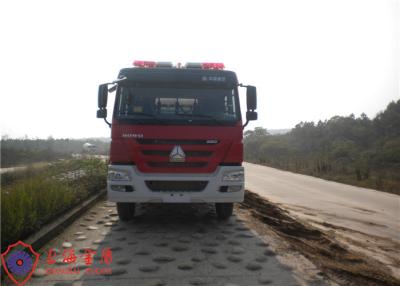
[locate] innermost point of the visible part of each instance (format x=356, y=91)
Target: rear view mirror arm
x=108, y=123
x=251, y=98
x=102, y=98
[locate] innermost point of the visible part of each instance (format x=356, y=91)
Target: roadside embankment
x=337, y=260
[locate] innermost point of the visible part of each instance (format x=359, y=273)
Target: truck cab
x=176, y=136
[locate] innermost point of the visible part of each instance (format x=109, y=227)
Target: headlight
x=120, y=175
x=235, y=176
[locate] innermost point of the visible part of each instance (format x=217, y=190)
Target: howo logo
x=177, y=154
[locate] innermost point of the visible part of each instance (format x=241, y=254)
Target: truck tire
x=224, y=210
x=126, y=211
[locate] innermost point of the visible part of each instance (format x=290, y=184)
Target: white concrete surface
x=369, y=211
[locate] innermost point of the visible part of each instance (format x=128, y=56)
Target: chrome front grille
x=176, y=153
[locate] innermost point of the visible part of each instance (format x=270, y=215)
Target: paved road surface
x=11, y=169
x=164, y=245
x=365, y=210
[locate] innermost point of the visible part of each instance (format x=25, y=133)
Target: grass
x=35, y=197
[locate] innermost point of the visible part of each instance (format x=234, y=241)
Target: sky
x=310, y=59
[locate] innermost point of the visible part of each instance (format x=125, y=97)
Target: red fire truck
x=177, y=135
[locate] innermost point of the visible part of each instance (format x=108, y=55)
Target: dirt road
x=363, y=221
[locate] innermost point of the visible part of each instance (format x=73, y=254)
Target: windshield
x=178, y=105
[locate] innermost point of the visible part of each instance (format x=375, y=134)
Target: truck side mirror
x=102, y=97
x=251, y=98
x=251, y=115
x=102, y=113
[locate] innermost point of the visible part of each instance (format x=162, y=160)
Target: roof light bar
x=144, y=64
x=213, y=66
x=190, y=65
x=205, y=66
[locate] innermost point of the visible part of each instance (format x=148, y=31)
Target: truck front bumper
x=126, y=183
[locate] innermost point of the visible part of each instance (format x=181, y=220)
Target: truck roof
x=208, y=77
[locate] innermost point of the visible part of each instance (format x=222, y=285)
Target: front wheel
x=224, y=210
x=126, y=211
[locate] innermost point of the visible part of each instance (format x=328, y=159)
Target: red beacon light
x=205, y=66
x=144, y=64
x=213, y=66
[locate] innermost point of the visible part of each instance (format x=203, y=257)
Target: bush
x=36, y=198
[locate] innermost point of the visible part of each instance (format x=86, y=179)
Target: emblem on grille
x=177, y=154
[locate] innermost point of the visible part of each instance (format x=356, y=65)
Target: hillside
x=354, y=150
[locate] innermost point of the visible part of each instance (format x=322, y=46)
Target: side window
x=132, y=103
x=123, y=105
x=230, y=108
